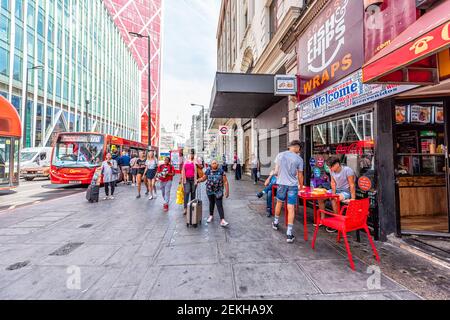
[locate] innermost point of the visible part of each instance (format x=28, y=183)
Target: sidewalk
x=131, y=249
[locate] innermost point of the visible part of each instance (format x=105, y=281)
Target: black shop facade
x=392, y=134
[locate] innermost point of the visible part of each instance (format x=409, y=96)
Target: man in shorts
x=289, y=170
x=124, y=164
x=342, y=184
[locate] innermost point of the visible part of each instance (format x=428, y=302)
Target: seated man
x=342, y=184
x=271, y=180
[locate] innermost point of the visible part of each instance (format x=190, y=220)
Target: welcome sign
x=346, y=94
x=332, y=47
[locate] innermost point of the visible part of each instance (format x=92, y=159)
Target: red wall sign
x=332, y=46
x=364, y=184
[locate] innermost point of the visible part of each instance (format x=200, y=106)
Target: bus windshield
x=78, y=151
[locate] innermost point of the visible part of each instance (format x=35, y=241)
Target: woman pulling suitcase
x=217, y=188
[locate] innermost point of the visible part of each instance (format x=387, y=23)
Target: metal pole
x=87, y=115
x=25, y=111
x=149, y=93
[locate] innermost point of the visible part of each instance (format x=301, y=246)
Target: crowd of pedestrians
x=140, y=169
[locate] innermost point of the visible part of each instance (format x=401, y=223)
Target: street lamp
x=26, y=99
x=87, y=115
x=138, y=35
x=203, y=123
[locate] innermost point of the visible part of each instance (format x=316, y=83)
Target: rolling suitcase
x=93, y=193
x=194, y=212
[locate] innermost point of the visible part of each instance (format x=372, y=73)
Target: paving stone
x=255, y=251
x=14, y=253
x=60, y=236
x=149, y=248
x=367, y=296
x=100, y=288
x=199, y=282
x=121, y=293
x=189, y=254
x=144, y=290
x=49, y=283
x=32, y=224
x=122, y=257
x=8, y=277
x=301, y=250
x=119, y=236
x=271, y=279
x=16, y=231
x=86, y=255
x=341, y=279
x=134, y=272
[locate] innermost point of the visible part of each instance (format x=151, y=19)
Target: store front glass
x=350, y=139
x=422, y=168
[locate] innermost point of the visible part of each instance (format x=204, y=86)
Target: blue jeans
x=291, y=193
x=345, y=193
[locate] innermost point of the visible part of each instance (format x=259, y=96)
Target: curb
x=392, y=240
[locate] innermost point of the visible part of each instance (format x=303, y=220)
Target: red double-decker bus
x=76, y=156
x=10, y=134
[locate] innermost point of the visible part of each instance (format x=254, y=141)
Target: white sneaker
x=111, y=198
x=106, y=198
x=210, y=219
x=151, y=198
x=224, y=224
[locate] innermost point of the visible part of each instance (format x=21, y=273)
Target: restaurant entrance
x=422, y=166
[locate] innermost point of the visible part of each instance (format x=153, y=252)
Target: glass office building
x=89, y=80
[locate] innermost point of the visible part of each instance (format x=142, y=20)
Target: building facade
x=143, y=17
x=248, y=42
x=88, y=80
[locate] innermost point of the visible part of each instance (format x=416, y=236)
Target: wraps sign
x=332, y=47
x=346, y=94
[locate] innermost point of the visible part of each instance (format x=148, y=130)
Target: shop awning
x=242, y=95
x=10, y=125
x=411, y=57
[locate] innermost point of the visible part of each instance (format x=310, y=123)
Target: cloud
x=189, y=58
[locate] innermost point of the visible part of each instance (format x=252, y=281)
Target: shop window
x=350, y=140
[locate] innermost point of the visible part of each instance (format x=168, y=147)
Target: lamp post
x=203, y=123
x=138, y=35
x=26, y=100
x=87, y=115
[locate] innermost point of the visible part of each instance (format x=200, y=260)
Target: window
x=19, y=38
x=19, y=9
x=40, y=74
x=4, y=62
x=5, y=4
x=40, y=51
x=4, y=28
x=30, y=17
x=50, y=33
x=17, y=72
x=273, y=18
x=50, y=83
x=40, y=22
x=30, y=41
x=58, y=87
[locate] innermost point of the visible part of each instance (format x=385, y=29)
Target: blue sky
x=189, y=58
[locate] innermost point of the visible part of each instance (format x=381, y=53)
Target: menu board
x=407, y=142
x=439, y=117
x=420, y=114
x=400, y=114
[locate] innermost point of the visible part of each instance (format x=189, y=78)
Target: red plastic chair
x=355, y=219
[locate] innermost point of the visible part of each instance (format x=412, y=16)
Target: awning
x=238, y=95
x=411, y=57
x=10, y=125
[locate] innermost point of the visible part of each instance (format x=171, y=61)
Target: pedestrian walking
x=255, y=169
x=189, y=179
x=216, y=189
x=151, y=167
x=140, y=164
x=166, y=172
x=237, y=167
x=134, y=168
x=289, y=170
x=124, y=164
x=110, y=171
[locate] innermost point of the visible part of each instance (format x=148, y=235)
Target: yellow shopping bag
x=180, y=195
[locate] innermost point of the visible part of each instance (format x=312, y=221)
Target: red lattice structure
x=143, y=17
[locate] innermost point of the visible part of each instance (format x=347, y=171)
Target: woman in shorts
x=134, y=168
x=151, y=167
x=140, y=164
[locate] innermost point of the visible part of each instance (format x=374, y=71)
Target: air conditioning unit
x=425, y=4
